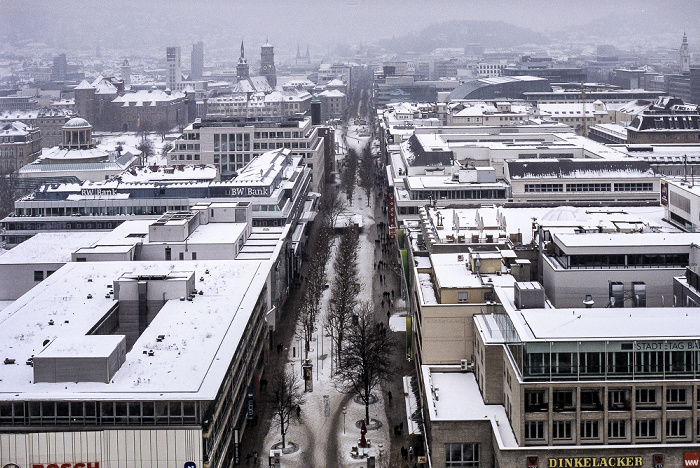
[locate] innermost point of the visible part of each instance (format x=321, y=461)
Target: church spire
x=242, y=50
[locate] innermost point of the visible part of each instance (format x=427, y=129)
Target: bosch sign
x=67, y=465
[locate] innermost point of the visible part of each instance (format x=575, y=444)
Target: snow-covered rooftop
x=49, y=247
x=200, y=336
x=455, y=396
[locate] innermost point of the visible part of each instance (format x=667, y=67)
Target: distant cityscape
x=191, y=244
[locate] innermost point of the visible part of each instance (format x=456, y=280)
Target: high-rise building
x=267, y=63
x=60, y=68
x=242, y=69
x=174, y=68
x=197, y=61
x=684, y=55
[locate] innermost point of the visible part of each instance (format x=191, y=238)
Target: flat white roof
x=644, y=323
x=457, y=398
x=94, y=346
x=626, y=239
x=49, y=247
x=201, y=336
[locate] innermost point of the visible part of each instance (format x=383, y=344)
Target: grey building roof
x=573, y=168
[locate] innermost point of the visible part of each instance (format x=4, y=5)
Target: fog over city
x=144, y=27
x=349, y=233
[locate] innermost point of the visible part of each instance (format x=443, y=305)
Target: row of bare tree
x=361, y=345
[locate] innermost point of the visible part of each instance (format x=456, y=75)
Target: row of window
x=651, y=363
x=232, y=142
x=185, y=157
x=624, y=261
x=594, y=187
x=617, y=429
x=591, y=399
x=478, y=194
x=48, y=413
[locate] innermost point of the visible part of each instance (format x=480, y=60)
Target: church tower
x=267, y=64
x=242, y=70
x=126, y=73
x=685, y=55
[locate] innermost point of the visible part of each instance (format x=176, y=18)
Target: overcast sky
x=154, y=23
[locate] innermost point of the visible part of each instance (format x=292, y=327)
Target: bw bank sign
x=250, y=191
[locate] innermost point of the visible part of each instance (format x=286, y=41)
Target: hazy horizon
x=151, y=24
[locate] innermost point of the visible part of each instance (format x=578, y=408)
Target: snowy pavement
x=329, y=418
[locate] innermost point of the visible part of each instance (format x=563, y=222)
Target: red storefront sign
x=67, y=465
x=691, y=459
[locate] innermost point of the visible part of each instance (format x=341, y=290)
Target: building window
x=675, y=428
x=589, y=429
x=645, y=428
x=634, y=187
x=617, y=399
x=38, y=276
x=168, y=253
x=561, y=430
x=617, y=429
x=534, y=188
x=462, y=296
x=562, y=399
x=675, y=395
x=535, y=400
x=194, y=255
x=182, y=255
x=592, y=187
x=646, y=396
x=534, y=430
x=462, y=455
x=590, y=400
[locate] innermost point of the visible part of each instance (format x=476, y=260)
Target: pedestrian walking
x=392, y=293
x=298, y=411
x=389, y=396
x=255, y=458
x=383, y=305
x=248, y=458
x=404, y=452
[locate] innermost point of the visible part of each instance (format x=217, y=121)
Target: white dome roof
x=565, y=213
x=77, y=122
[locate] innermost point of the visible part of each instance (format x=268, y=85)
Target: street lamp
x=345, y=411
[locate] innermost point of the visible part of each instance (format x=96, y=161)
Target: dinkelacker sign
x=593, y=462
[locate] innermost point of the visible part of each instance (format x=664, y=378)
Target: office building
x=230, y=143
x=174, y=68
x=197, y=61
x=278, y=199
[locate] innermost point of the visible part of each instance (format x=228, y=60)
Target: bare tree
x=8, y=194
x=146, y=148
x=367, y=173
x=162, y=129
x=347, y=179
x=316, y=282
x=288, y=395
x=366, y=356
x=344, y=292
x=167, y=146
x=332, y=206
